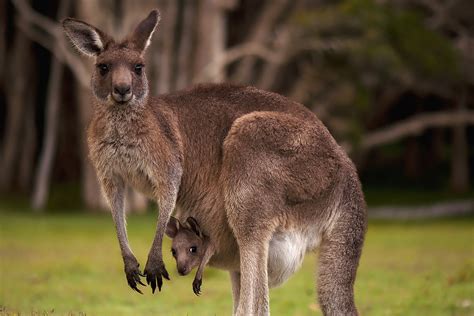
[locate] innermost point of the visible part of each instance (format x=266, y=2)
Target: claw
x=140, y=281
x=153, y=285
x=197, y=286
x=133, y=285
x=137, y=289
x=137, y=279
x=160, y=282
x=154, y=276
x=165, y=274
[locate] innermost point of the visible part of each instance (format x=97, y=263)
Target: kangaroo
x=261, y=172
x=190, y=248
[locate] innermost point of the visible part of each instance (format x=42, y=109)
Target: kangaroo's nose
x=122, y=89
x=182, y=270
x=122, y=93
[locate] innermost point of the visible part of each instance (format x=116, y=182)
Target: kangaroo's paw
x=155, y=272
x=197, y=286
x=133, y=273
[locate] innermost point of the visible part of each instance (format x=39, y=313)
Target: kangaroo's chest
x=127, y=156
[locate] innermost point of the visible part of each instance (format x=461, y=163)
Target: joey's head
x=118, y=78
x=188, y=244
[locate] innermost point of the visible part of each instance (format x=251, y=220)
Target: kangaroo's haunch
x=261, y=173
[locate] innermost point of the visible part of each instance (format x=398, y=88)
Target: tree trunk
x=211, y=38
x=163, y=82
x=260, y=33
x=92, y=197
x=411, y=159
x=28, y=151
x=184, y=72
x=269, y=74
x=16, y=95
x=3, y=44
x=43, y=174
x=460, y=154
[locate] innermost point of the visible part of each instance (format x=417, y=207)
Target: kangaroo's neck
x=121, y=120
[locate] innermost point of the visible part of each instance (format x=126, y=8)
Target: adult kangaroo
x=261, y=173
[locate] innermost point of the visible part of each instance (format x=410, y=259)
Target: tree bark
x=460, y=154
x=16, y=95
x=28, y=150
x=167, y=35
x=411, y=159
x=415, y=126
x=211, y=37
x=43, y=173
x=184, y=60
x=91, y=193
x=3, y=44
x=260, y=33
x=269, y=74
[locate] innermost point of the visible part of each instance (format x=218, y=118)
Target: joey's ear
x=141, y=36
x=193, y=224
x=173, y=227
x=88, y=39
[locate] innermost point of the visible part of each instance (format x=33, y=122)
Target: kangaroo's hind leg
x=253, y=239
x=235, y=280
x=340, y=251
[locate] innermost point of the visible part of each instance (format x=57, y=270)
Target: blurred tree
x=43, y=173
x=20, y=108
x=394, y=51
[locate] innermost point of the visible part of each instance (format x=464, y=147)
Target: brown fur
x=190, y=248
x=255, y=168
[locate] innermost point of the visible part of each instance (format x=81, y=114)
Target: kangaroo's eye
x=103, y=69
x=173, y=252
x=139, y=68
x=193, y=249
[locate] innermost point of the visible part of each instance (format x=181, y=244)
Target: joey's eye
x=103, y=69
x=138, y=69
x=173, y=252
x=193, y=249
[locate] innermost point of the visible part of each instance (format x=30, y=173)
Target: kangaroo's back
x=206, y=113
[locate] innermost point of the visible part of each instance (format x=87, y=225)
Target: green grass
x=58, y=264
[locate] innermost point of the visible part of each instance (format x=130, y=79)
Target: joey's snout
x=183, y=270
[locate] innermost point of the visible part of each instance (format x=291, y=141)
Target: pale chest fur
x=286, y=253
x=120, y=147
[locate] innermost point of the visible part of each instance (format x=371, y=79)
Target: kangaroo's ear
x=193, y=224
x=141, y=36
x=173, y=227
x=88, y=39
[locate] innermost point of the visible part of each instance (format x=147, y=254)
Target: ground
x=59, y=263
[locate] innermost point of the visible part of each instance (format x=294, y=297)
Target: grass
x=69, y=264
